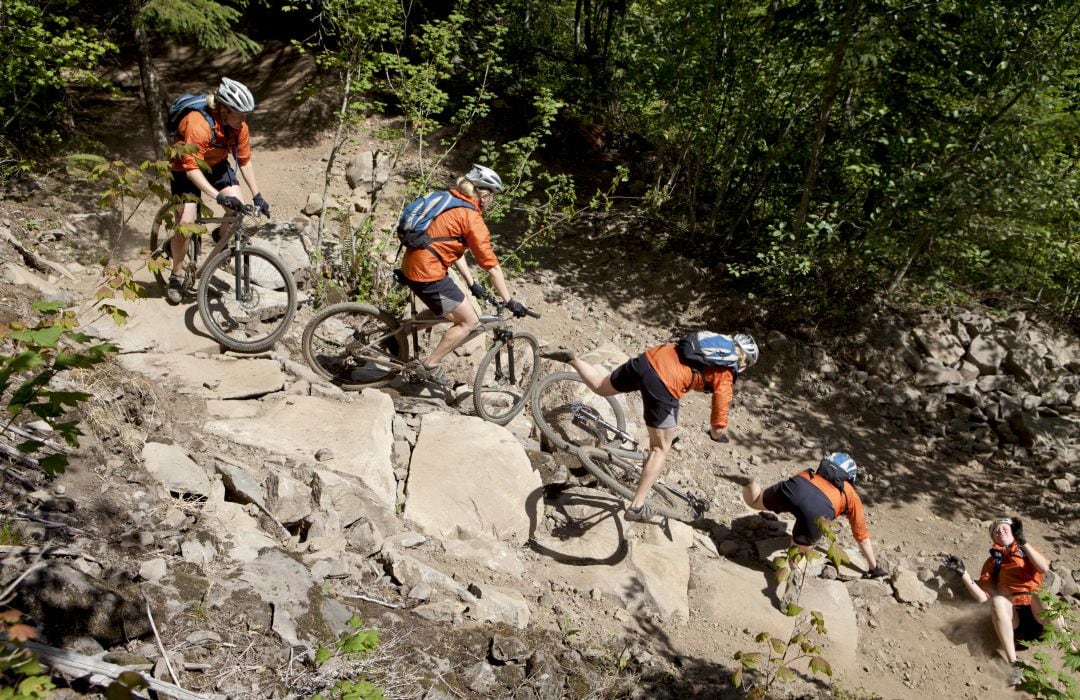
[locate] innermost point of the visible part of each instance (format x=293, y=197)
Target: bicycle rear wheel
x=620, y=473
x=553, y=402
x=247, y=302
x=355, y=345
x=504, y=377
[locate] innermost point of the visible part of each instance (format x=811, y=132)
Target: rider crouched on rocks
x=229, y=108
x=426, y=270
x=663, y=378
x=826, y=492
x=1009, y=575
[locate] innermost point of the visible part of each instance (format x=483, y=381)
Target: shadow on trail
x=578, y=513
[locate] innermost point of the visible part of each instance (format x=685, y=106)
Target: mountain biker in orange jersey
x=229, y=108
x=426, y=270
x=827, y=492
x=663, y=379
x=1009, y=575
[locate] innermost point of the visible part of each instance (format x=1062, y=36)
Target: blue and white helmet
x=844, y=462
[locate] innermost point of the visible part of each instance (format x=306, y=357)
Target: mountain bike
x=246, y=295
x=593, y=428
x=357, y=345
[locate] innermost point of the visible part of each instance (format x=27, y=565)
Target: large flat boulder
x=470, y=475
x=217, y=377
x=357, y=433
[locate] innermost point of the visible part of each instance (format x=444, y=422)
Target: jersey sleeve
x=856, y=515
x=194, y=131
x=478, y=238
x=721, y=382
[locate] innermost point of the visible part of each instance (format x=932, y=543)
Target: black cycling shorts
x=803, y=500
x=220, y=176
x=1028, y=628
x=441, y=296
x=661, y=408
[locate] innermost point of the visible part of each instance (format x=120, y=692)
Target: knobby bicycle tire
x=254, y=319
x=620, y=474
x=355, y=345
x=158, y=231
x=504, y=377
x=552, y=398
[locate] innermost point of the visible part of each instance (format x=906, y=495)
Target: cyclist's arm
x=248, y=171
x=199, y=180
x=499, y=282
x=464, y=271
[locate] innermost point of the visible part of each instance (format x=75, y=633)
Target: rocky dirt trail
x=202, y=470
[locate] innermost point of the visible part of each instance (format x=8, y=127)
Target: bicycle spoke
x=559, y=403
x=354, y=345
x=247, y=307
x=505, y=376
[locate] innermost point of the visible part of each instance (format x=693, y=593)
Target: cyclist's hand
x=954, y=563
x=228, y=202
x=478, y=290
x=876, y=572
x=517, y=308
x=261, y=205
x=1018, y=531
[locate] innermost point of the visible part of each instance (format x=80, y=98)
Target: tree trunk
x=151, y=89
x=827, y=100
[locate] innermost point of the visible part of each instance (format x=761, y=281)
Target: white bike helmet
x=235, y=96
x=748, y=346
x=485, y=178
x=844, y=462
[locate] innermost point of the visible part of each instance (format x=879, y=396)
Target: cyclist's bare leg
x=465, y=320
x=230, y=215
x=753, y=494
x=178, y=244
x=660, y=440
x=596, y=378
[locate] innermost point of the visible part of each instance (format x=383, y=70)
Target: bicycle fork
x=505, y=336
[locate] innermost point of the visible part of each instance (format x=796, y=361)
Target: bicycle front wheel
x=247, y=301
x=355, y=345
x=620, y=474
x=504, y=377
x=556, y=403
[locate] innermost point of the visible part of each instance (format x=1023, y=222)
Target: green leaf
x=785, y=674
x=322, y=655
x=793, y=610
x=820, y=665
x=41, y=337
x=54, y=464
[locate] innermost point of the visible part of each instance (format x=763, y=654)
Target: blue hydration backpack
x=703, y=349
x=418, y=215
x=187, y=103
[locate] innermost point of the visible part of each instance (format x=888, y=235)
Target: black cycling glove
x=261, y=205
x=1018, y=531
x=517, y=308
x=230, y=202
x=954, y=563
x=477, y=290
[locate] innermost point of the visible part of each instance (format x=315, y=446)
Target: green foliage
x=45, y=54
x=33, y=355
x=1055, y=675
x=21, y=676
x=759, y=671
x=209, y=22
x=355, y=645
x=124, y=183
x=11, y=534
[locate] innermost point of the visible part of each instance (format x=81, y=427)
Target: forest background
x=816, y=154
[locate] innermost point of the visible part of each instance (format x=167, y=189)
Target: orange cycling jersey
x=847, y=503
x=210, y=147
x=680, y=379
x=452, y=232
x=1016, y=577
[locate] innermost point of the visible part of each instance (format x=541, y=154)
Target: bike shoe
x=175, y=292
x=558, y=354
x=1016, y=675
x=639, y=515
x=434, y=374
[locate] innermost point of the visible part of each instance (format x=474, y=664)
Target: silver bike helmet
x=485, y=178
x=999, y=521
x=235, y=96
x=748, y=346
x=844, y=462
